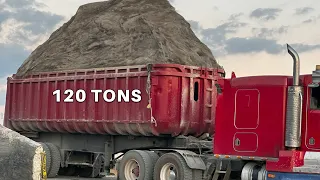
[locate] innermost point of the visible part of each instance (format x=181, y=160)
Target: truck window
x=315, y=98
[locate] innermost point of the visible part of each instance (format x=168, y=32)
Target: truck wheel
x=48, y=156
x=172, y=166
x=55, y=161
x=136, y=165
x=154, y=156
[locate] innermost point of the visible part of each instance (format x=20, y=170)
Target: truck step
x=307, y=169
x=226, y=174
x=221, y=172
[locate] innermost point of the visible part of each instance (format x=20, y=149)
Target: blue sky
x=248, y=38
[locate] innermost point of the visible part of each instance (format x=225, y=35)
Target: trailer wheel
x=172, y=166
x=136, y=165
x=55, y=161
x=48, y=156
x=154, y=156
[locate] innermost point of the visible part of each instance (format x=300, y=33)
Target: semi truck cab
x=271, y=123
x=303, y=162
x=312, y=137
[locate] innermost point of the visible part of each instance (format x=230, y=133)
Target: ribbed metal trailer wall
x=176, y=100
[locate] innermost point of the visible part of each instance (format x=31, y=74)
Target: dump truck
x=171, y=121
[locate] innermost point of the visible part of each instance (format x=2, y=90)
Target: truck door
x=246, y=120
x=313, y=119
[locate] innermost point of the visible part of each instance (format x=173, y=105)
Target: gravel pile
x=20, y=157
x=120, y=33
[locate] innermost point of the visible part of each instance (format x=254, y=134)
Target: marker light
x=271, y=176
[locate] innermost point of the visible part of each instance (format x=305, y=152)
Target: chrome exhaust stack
x=294, y=105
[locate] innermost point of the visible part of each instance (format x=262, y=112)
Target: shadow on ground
x=78, y=178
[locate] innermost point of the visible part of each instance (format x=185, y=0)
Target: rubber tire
x=48, y=156
x=55, y=161
x=145, y=162
x=154, y=156
x=183, y=171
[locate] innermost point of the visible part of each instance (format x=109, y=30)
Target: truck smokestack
x=296, y=65
x=294, y=105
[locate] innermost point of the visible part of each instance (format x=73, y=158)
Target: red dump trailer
x=163, y=100
x=171, y=122
x=84, y=117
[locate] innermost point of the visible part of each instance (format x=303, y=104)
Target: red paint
x=253, y=109
x=310, y=122
x=238, y=120
x=248, y=116
x=248, y=142
x=32, y=107
x=233, y=75
x=287, y=160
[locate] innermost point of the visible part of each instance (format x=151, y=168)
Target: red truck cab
x=251, y=119
x=272, y=122
x=311, y=116
x=251, y=114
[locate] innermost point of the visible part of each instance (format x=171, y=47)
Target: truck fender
x=193, y=160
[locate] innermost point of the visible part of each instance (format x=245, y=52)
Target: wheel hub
x=131, y=170
x=168, y=172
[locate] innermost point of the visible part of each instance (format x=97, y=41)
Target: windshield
x=315, y=98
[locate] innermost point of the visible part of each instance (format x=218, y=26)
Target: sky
x=248, y=37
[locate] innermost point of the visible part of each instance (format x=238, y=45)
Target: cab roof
x=268, y=80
